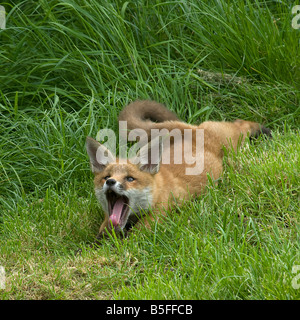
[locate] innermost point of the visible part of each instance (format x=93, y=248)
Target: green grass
x=68, y=68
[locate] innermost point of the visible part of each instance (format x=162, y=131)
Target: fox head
x=123, y=188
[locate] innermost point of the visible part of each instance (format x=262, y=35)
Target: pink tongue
x=116, y=212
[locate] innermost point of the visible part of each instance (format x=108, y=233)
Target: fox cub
x=126, y=190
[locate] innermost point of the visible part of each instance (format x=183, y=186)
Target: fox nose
x=111, y=182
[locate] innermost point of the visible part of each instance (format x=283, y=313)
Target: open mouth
x=118, y=207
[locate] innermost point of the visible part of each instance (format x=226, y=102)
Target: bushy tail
x=147, y=115
x=144, y=114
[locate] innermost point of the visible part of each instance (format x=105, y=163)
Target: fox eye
x=130, y=179
x=107, y=177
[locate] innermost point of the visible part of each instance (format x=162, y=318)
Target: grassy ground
x=68, y=68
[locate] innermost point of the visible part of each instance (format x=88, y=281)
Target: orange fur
x=169, y=182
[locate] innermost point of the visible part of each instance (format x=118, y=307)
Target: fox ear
x=99, y=155
x=150, y=156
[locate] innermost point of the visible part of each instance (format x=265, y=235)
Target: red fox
x=126, y=190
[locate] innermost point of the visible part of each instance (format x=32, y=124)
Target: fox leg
x=231, y=133
x=103, y=231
